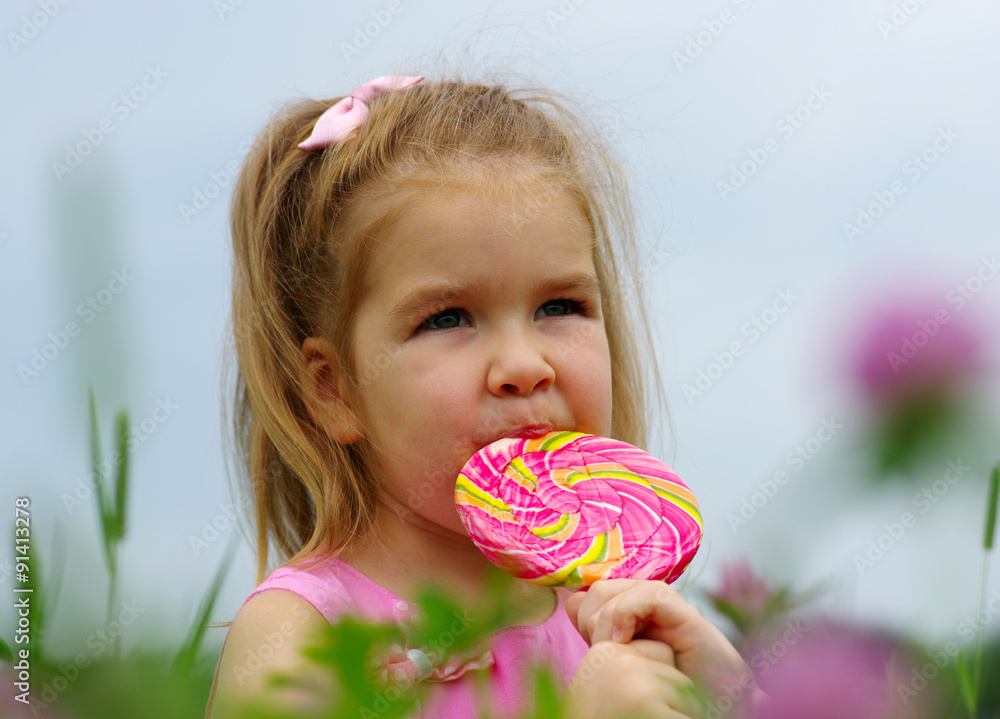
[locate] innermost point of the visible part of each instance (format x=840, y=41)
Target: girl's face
x=483, y=316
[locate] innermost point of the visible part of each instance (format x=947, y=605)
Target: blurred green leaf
x=6, y=653
x=121, y=478
x=347, y=648
x=38, y=609
x=548, y=699
x=139, y=686
x=56, y=576
x=912, y=430
x=97, y=466
x=965, y=684
x=991, y=508
x=187, y=656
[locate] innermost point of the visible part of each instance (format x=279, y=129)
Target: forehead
x=501, y=237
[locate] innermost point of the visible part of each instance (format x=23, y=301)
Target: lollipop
x=569, y=508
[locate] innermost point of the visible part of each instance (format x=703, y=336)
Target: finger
x=657, y=651
x=596, y=596
x=629, y=613
x=573, y=602
x=679, y=693
x=651, y=611
x=701, y=650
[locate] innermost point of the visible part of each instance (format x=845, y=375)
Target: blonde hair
x=302, y=223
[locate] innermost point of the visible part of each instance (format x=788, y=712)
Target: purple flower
x=747, y=599
x=917, y=361
x=743, y=588
x=13, y=708
x=831, y=672
x=917, y=346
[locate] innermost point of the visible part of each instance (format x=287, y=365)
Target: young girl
x=422, y=268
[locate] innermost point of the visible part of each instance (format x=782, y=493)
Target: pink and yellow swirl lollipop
x=568, y=509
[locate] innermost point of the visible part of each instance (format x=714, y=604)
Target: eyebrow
x=456, y=292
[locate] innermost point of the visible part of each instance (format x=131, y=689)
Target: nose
x=519, y=366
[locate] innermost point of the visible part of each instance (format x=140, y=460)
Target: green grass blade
x=965, y=685
x=121, y=478
x=991, y=508
x=547, y=695
x=187, y=656
x=97, y=466
x=95, y=436
x=56, y=576
x=38, y=613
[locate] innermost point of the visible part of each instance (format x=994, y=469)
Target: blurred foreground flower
x=748, y=601
x=917, y=362
x=10, y=706
x=830, y=671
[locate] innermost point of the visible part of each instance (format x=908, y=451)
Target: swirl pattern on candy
x=569, y=508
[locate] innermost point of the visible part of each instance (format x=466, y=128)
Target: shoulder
x=327, y=584
x=282, y=617
x=267, y=636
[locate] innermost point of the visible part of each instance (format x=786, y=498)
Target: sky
x=793, y=164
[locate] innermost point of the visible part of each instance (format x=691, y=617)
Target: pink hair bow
x=344, y=116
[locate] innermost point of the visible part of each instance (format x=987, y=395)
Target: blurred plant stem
x=970, y=686
x=111, y=509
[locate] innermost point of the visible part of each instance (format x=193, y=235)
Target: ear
x=325, y=397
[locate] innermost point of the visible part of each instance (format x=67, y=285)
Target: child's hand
x=620, y=610
x=636, y=680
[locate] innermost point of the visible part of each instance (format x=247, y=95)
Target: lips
x=530, y=431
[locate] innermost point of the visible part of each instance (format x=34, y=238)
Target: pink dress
x=336, y=588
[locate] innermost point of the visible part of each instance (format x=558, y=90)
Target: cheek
x=589, y=371
x=423, y=400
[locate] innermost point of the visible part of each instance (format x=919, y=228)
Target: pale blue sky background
x=714, y=263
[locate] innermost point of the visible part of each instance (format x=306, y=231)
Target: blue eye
x=452, y=317
x=570, y=305
x=452, y=313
